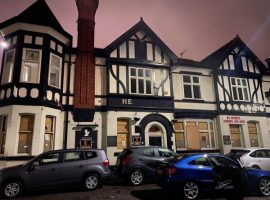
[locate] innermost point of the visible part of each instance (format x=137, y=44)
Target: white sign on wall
x=234, y=120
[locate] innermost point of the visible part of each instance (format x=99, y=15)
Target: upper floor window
x=140, y=81
x=239, y=89
x=191, y=87
x=30, y=70
x=55, y=71
x=8, y=67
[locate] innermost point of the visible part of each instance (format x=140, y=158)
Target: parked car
x=252, y=157
x=136, y=164
x=89, y=168
x=199, y=173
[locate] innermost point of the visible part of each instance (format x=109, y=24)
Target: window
x=76, y=155
x=8, y=67
x=140, y=81
x=191, y=87
x=200, y=161
x=90, y=154
x=204, y=135
x=49, y=159
x=194, y=135
x=26, y=134
x=166, y=153
x=3, y=132
x=49, y=133
x=179, y=135
x=235, y=135
x=30, y=70
x=55, y=71
x=122, y=133
x=240, y=89
x=253, y=134
x=149, y=152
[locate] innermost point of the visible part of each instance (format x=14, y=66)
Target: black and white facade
x=144, y=93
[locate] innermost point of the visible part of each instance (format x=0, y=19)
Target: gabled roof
x=215, y=59
x=141, y=26
x=38, y=13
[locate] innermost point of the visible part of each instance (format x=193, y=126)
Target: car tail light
x=170, y=171
x=106, y=163
x=126, y=160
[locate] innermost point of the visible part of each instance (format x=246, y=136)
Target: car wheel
x=136, y=177
x=256, y=167
x=264, y=186
x=191, y=190
x=91, y=182
x=12, y=189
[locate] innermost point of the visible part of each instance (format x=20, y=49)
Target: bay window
x=8, y=67
x=30, y=70
x=55, y=71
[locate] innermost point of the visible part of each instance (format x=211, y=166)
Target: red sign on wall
x=234, y=120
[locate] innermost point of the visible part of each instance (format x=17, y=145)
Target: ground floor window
x=122, y=133
x=3, y=131
x=194, y=135
x=235, y=135
x=26, y=134
x=253, y=134
x=49, y=133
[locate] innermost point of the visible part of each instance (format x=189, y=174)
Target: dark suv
x=60, y=167
x=139, y=163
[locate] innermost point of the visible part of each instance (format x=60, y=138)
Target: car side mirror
x=34, y=165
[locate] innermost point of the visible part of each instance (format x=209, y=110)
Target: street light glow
x=4, y=44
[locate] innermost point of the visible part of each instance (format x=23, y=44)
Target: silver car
x=252, y=157
x=88, y=168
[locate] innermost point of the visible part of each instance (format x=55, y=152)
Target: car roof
x=249, y=148
x=67, y=150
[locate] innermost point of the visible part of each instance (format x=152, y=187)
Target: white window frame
x=55, y=67
x=23, y=66
x=191, y=84
x=240, y=87
x=144, y=78
x=11, y=69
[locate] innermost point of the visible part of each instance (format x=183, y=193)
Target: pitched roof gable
x=215, y=59
x=38, y=13
x=141, y=26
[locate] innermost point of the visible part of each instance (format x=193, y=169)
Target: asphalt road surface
x=115, y=192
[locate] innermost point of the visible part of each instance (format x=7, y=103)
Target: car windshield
x=237, y=153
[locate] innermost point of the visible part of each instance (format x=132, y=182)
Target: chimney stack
x=84, y=83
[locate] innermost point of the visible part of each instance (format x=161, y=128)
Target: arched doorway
x=155, y=135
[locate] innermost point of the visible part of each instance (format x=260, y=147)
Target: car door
x=149, y=160
x=44, y=171
x=263, y=159
x=227, y=173
x=73, y=166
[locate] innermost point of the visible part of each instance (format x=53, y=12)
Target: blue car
x=198, y=173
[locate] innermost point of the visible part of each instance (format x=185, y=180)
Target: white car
x=252, y=157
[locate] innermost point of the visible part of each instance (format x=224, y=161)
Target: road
x=113, y=192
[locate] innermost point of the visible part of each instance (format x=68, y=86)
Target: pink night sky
x=199, y=26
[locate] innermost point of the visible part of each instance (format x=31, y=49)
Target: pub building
x=133, y=92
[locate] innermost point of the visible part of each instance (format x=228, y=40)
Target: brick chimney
x=84, y=83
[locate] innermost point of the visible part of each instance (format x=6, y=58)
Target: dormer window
x=30, y=70
x=8, y=67
x=55, y=71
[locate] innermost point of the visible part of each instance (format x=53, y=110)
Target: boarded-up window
x=235, y=135
x=179, y=135
x=204, y=135
x=26, y=134
x=49, y=133
x=122, y=133
x=3, y=131
x=253, y=134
